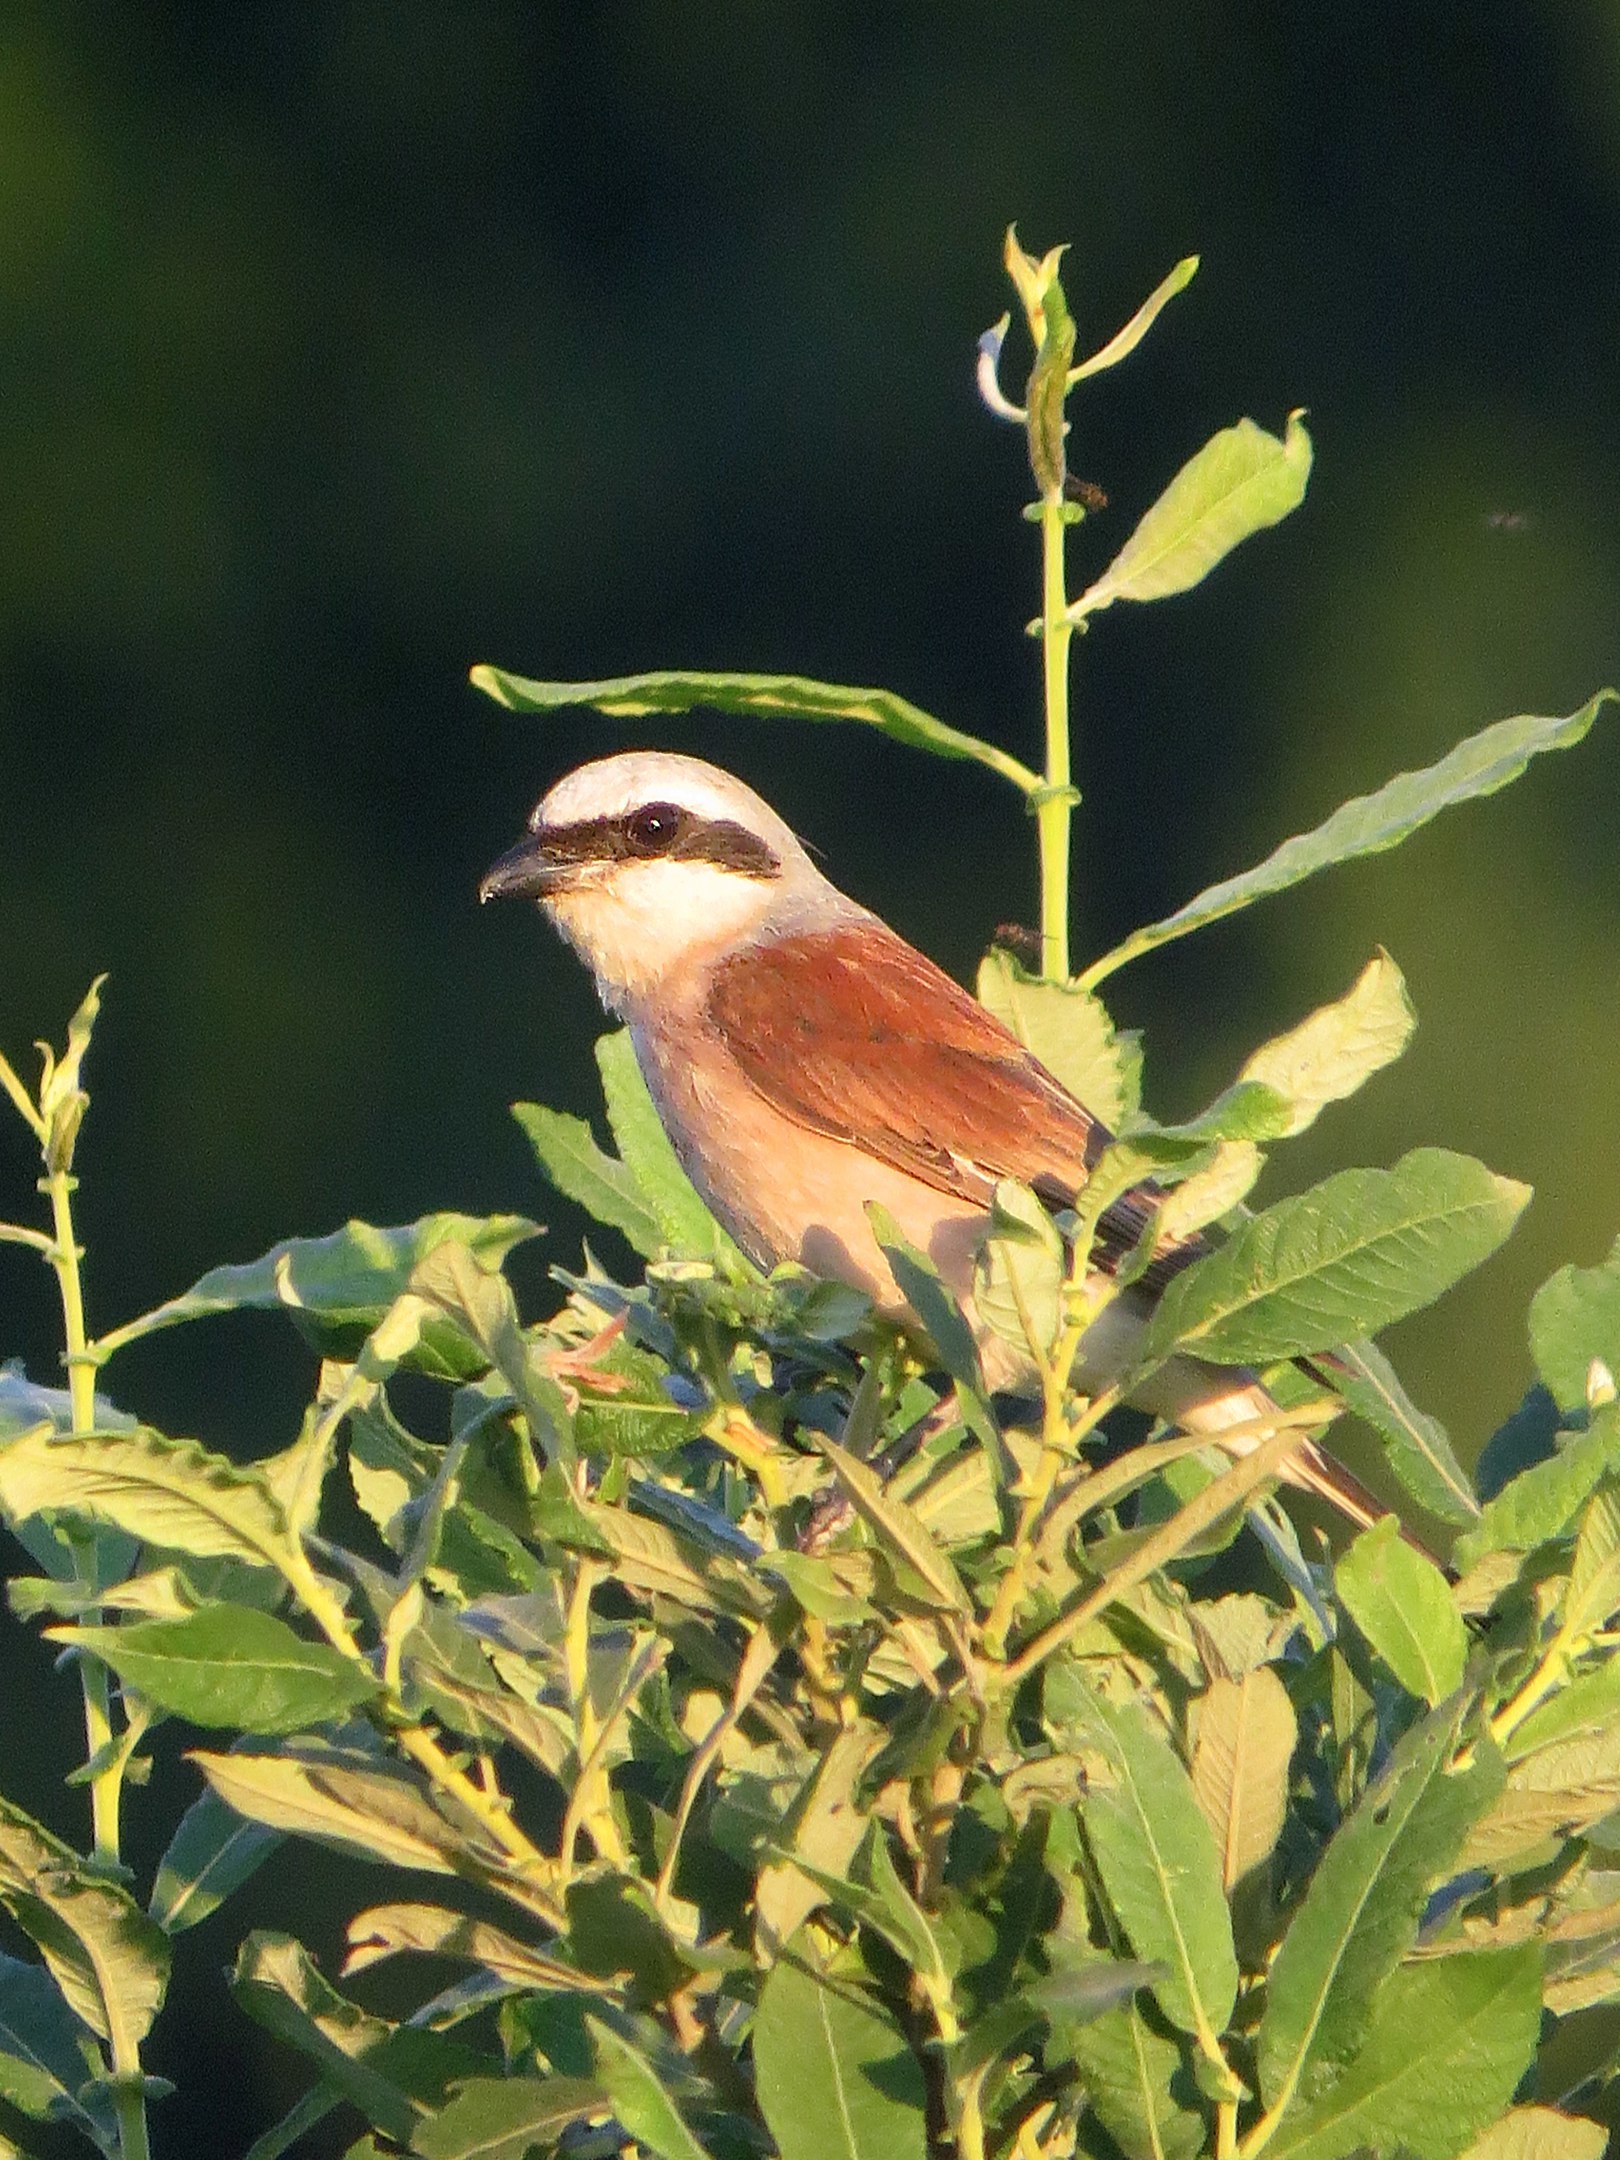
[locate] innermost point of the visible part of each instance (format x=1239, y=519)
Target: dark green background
x=343, y=346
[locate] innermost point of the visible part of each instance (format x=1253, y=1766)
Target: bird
x=807, y=1062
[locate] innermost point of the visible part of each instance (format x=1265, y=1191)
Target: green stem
x=1054, y=803
x=107, y=1785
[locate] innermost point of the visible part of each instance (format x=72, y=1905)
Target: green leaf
x=1240, y=482
x=897, y=1529
x=340, y=1285
x=1160, y=1867
x=213, y=1851
x=1403, y=1606
x=506, y=2118
x=572, y=1160
x=680, y=690
x=942, y=1317
x=1368, y=824
x=1246, y=1736
x=1594, y=1574
x=107, y=1958
x=1585, y=1705
x=1447, y=2044
x=230, y=1665
x=381, y=1813
x=433, y=1931
x=689, y=1229
x=277, y=1984
x=1359, y=1250
x=1574, y=1318
x=1417, y=1446
x=639, y=2099
x=1019, y=1275
x=1338, y=1047
x=47, y=2057
x=1361, y=1910
x=1069, y=1031
x=1543, y=1501
x=1138, y=2085
x=165, y=1492
x=1540, y=2133
x=1125, y=341
x=835, y=2077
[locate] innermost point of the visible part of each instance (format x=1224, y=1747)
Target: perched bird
x=806, y=1062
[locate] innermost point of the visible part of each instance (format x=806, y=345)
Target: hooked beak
x=528, y=871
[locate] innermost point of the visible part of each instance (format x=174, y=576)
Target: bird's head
x=653, y=865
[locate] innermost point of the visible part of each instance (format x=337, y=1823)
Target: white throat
x=642, y=926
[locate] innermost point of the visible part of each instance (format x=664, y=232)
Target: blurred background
x=343, y=346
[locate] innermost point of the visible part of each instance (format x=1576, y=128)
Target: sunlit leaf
x=1403, y=1606
x=110, y=1962
x=1361, y=1908
x=213, y=1852
x=1541, y=2133
x=1368, y=824
x=1246, y=1736
x=1138, y=2084
x=507, y=2118
x=1240, y=482
x=230, y=1665
x=381, y=1813
x=1160, y=1866
x=689, y=1230
x=1574, y=1318
x=1069, y=1031
x=1019, y=1276
x=1125, y=341
x=1340, y=1046
x=677, y=690
x=165, y=1492
x=1361, y=1249
x=338, y=1286
x=820, y=2038
x=1446, y=2045
x=639, y=2099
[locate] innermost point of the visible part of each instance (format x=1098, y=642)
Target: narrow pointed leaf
x=680, y=690
x=1358, y=1251
x=212, y=1853
x=1448, y=2043
x=1138, y=2085
x=1594, y=1575
x=1360, y=1913
x=1246, y=1736
x=1240, y=482
x=230, y=1665
x=1417, y=1446
x=346, y=1280
x=639, y=2099
x=835, y=2076
x=1403, y=1606
x=1543, y=1501
x=381, y=1814
x=506, y=2118
x=165, y=1492
x=1160, y=1866
x=277, y=1984
x=573, y=1161
x=46, y=2055
x=108, y=1959
x=896, y=1528
x=1368, y=824
x=1125, y=341
x=644, y=1146
x=386, y=1931
x=943, y=1318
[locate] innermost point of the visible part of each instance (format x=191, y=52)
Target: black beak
x=528, y=871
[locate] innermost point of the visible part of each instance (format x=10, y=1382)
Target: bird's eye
x=652, y=829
